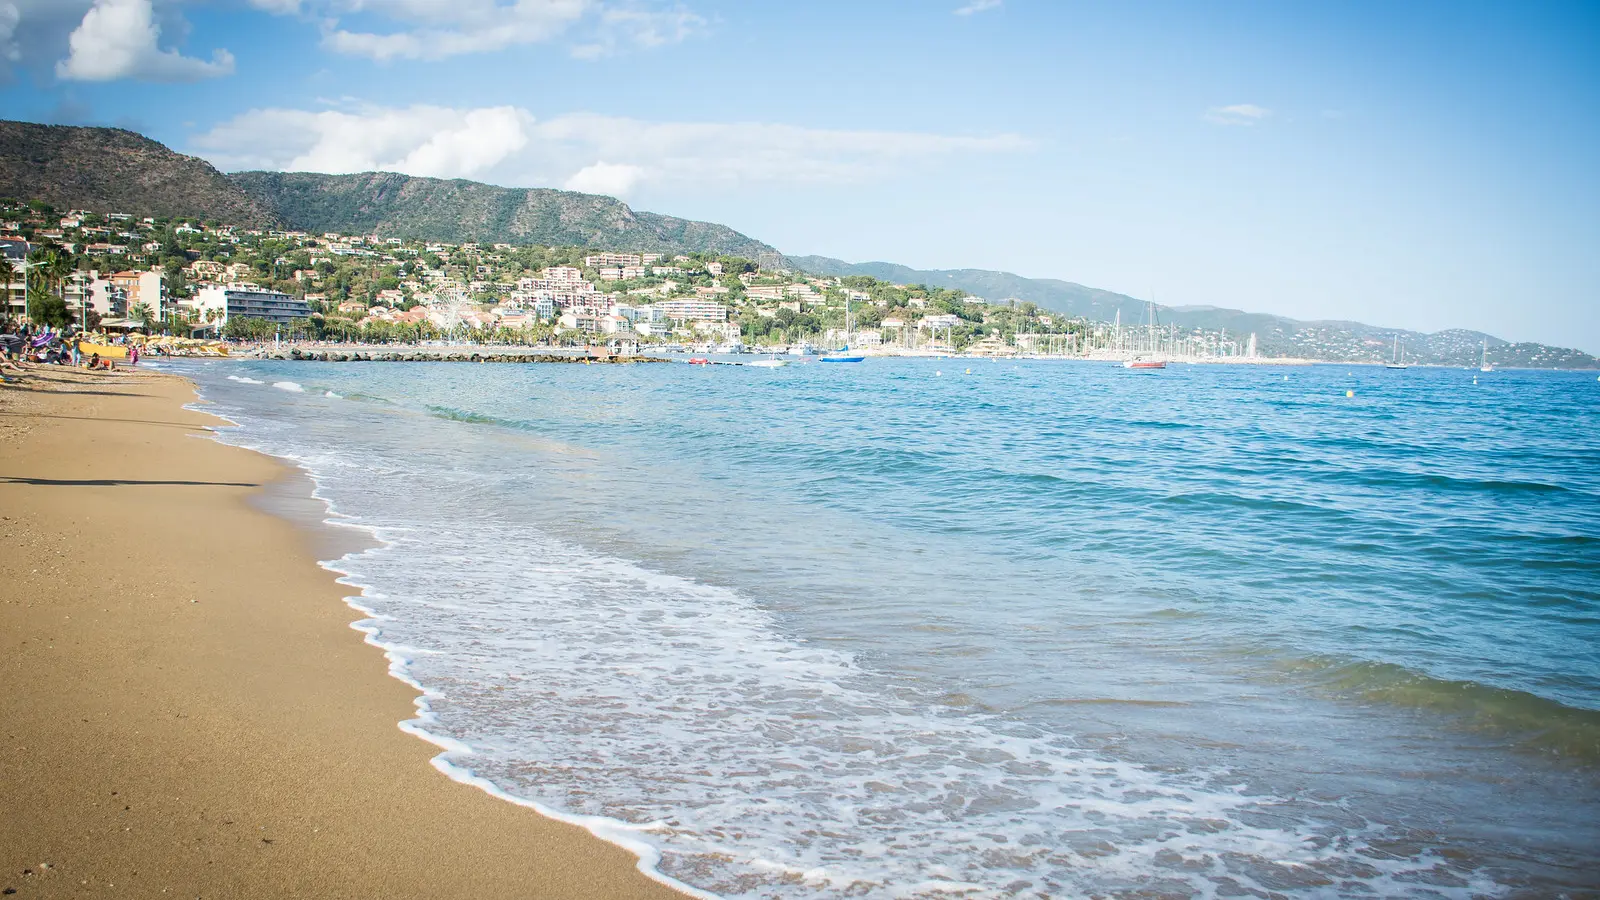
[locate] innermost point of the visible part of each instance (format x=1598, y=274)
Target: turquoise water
x=906, y=629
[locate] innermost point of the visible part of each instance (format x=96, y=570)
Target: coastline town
x=117, y=273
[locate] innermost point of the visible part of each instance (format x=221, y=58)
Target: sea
x=986, y=628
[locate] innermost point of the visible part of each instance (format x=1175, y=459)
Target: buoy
x=1349, y=393
x=1285, y=378
x=937, y=373
x=969, y=371
x=1474, y=379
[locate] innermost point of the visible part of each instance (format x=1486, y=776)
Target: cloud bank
x=579, y=151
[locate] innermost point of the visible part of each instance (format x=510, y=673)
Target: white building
x=249, y=301
x=689, y=309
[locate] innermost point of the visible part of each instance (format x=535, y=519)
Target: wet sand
x=184, y=708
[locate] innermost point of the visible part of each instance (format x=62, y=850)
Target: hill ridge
x=1276, y=335
x=458, y=210
x=117, y=170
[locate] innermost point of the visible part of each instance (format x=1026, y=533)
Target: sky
x=1417, y=165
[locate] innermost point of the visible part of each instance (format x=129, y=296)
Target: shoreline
x=189, y=719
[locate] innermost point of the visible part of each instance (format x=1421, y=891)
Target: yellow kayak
x=106, y=351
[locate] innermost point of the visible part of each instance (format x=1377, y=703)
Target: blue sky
x=1422, y=165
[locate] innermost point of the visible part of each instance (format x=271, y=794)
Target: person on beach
x=12, y=348
x=12, y=344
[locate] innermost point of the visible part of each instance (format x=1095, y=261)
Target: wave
x=244, y=379
x=290, y=386
x=1520, y=719
x=470, y=418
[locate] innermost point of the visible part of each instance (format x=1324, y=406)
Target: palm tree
x=144, y=315
x=8, y=274
x=48, y=268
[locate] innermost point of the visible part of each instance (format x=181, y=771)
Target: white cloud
x=10, y=17
x=650, y=28
x=605, y=178
x=422, y=140
x=1237, y=114
x=977, y=6
x=34, y=32
x=387, y=30
x=120, y=39
x=580, y=151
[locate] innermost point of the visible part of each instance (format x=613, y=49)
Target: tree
x=48, y=268
x=45, y=309
x=144, y=315
x=8, y=274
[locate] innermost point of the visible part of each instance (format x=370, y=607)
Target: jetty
x=456, y=355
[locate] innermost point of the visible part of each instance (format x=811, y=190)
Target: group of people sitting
x=22, y=343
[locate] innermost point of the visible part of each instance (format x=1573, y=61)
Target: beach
x=185, y=708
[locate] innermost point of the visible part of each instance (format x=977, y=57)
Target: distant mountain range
x=459, y=211
x=113, y=170
x=1275, y=335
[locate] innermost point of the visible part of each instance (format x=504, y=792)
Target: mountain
x=112, y=170
x=456, y=211
x=1275, y=335
x=1061, y=296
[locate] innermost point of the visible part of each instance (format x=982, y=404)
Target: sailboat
x=843, y=354
x=1141, y=362
x=1399, y=360
x=1484, y=366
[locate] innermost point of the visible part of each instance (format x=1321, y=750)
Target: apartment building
x=250, y=302
x=143, y=289
x=615, y=260
x=688, y=309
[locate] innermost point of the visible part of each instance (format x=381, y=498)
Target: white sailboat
x=1399, y=360
x=843, y=354
x=1153, y=361
x=1484, y=366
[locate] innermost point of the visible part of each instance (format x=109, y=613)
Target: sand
x=184, y=709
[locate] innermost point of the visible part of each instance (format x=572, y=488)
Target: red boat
x=699, y=361
x=1144, y=364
